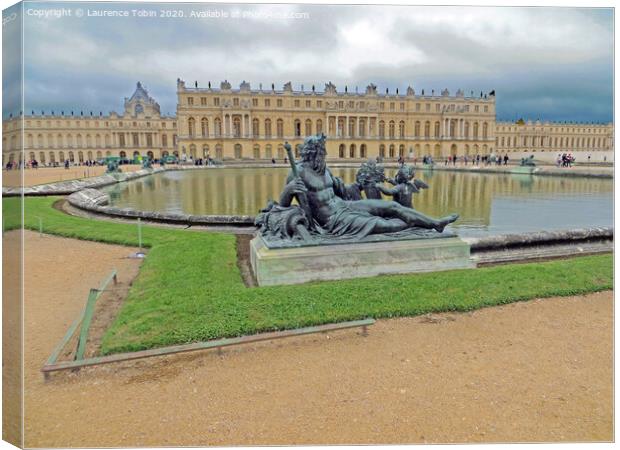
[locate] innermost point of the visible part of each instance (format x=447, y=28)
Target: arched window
x=78, y=140
x=466, y=129
x=437, y=128
x=392, y=151
x=52, y=158
x=106, y=140
x=401, y=150
x=99, y=155
x=191, y=126
x=237, y=126
x=319, y=126
x=219, y=154
x=280, y=151
x=416, y=129
x=361, y=128
x=238, y=151
x=71, y=157
x=297, y=127
x=204, y=127
x=382, y=151
x=363, y=151
x=88, y=141
x=268, y=152
x=475, y=130
x=427, y=129
x=256, y=151
x=485, y=130
x=81, y=156
x=218, y=126
x=255, y=130
x=341, y=151
x=268, y=128
x=352, y=151
x=205, y=150
x=97, y=140
x=381, y=129
x=192, y=151
x=280, y=128
x=42, y=157
x=89, y=155
x=392, y=129
x=308, y=127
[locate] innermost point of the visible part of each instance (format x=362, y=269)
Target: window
x=341, y=104
x=190, y=100
x=279, y=103
x=392, y=106
x=319, y=103
x=267, y=103
x=203, y=101
x=254, y=102
x=296, y=103
x=417, y=107
x=235, y=101
x=382, y=106
x=402, y=106
x=308, y=104
x=280, y=128
x=486, y=108
x=297, y=128
x=428, y=107
x=164, y=140
x=216, y=101
x=268, y=127
x=204, y=127
x=319, y=126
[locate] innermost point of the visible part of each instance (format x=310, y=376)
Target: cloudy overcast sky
x=548, y=63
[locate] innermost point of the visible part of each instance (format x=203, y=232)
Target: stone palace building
x=247, y=124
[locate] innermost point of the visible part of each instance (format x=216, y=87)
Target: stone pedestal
x=342, y=261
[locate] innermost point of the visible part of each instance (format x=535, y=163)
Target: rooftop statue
x=323, y=213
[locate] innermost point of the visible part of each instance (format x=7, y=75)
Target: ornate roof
x=141, y=94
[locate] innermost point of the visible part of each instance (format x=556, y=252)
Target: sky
x=543, y=62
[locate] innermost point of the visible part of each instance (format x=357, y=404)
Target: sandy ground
x=531, y=371
x=44, y=175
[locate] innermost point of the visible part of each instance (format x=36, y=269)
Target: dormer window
x=139, y=109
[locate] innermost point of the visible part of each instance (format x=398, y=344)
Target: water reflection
x=488, y=204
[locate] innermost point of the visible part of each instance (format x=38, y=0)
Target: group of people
x=566, y=160
x=477, y=160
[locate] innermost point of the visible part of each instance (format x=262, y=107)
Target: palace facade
x=252, y=124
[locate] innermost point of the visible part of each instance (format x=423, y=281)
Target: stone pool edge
x=72, y=186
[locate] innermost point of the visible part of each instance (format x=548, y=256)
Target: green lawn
x=189, y=288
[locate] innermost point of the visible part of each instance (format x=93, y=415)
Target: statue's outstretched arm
x=420, y=184
x=385, y=190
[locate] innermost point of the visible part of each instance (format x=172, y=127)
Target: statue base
x=274, y=266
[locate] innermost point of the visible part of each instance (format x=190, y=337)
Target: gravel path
x=531, y=371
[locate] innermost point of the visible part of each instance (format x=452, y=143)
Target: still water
x=487, y=204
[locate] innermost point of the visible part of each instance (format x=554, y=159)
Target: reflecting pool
x=487, y=203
